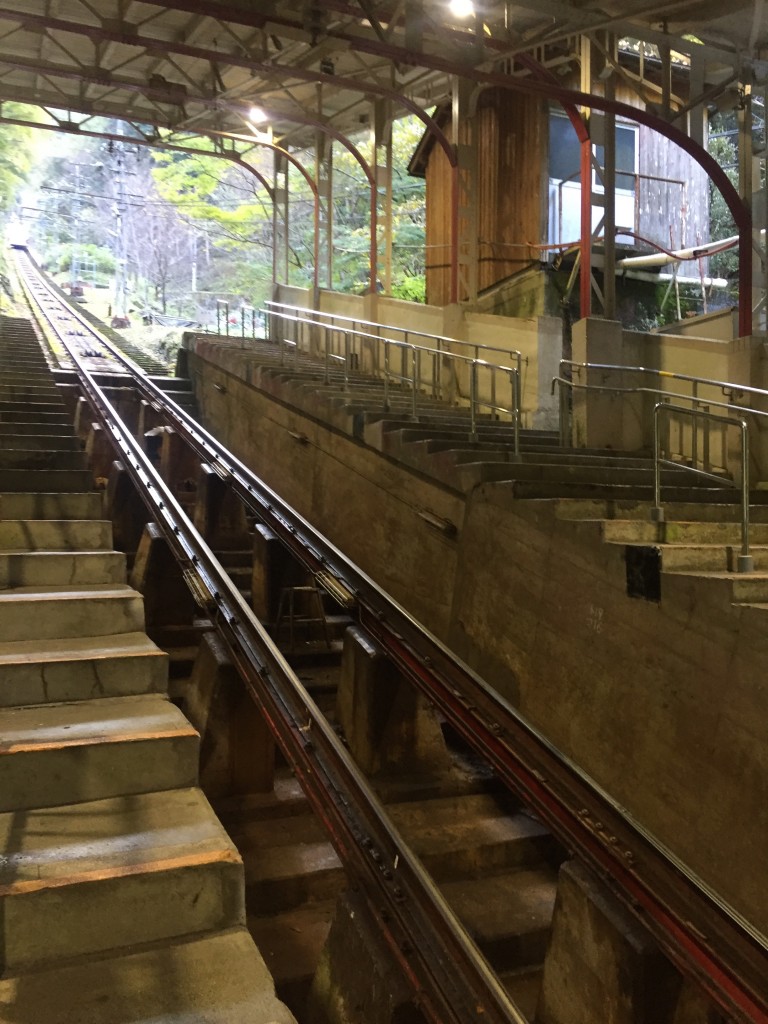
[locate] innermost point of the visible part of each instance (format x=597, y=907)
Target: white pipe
x=663, y=259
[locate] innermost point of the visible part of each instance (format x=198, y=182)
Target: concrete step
x=287, y=863
x=16, y=429
x=25, y=371
x=55, y=534
x=53, y=754
x=18, y=391
x=47, y=613
x=480, y=471
x=48, y=480
x=745, y=588
x=509, y=915
x=473, y=835
x=50, y=505
x=29, y=415
x=624, y=531
x=40, y=459
x=523, y=987
x=81, y=668
x=616, y=494
x=219, y=978
x=60, y=568
x=113, y=874
x=291, y=944
x=53, y=442
x=606, y=508
x=9, y=408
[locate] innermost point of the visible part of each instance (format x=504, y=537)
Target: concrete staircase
x=122, y=895
x=496, y=866
x=436, y=440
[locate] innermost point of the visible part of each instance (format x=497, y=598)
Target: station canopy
x=200, y=67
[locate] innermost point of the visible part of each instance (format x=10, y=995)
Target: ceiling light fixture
x=461, y=8
x=258, y=116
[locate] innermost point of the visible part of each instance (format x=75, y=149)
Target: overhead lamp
x=461, y=8
x=258, y=116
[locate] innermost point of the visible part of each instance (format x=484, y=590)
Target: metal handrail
x=745, y=562
x=414, y=378
x=405, y=331
x=724, y=385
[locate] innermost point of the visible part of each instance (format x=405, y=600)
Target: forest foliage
x=190, y=228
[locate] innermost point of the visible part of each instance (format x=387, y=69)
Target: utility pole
x=120, y=308
x=75, y=288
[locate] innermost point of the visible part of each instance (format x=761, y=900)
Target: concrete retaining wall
x=663, y=703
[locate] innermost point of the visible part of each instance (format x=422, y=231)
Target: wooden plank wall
x=510, y=135
x=511, y=131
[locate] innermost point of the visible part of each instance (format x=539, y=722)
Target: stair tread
x=111, y=836
x=451, y=825
x=102, y=720
x=76, y=648
x=211, y=979
x=505, y=904
x=65, y=592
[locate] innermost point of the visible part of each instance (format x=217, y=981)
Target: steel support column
x=324, y=183
x=464, y=141
x=382, y=170
x=280, y=221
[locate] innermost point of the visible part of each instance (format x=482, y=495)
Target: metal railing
x=699, y=409
x=745, y=562
x=440, y=340
x=343, y=345
x=246, y=313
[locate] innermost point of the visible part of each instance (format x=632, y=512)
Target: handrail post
x=565, y=432
x=745, y=562
x=473, y=401
x=347, y=356
x=657, y=512
x=327, y=358
x=695, y=427
x=386, y=376
x=414, y=381
x=226, y=316
x=516, y=413
x=436, y=360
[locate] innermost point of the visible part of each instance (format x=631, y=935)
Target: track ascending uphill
x=672, y=903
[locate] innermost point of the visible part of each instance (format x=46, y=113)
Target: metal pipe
x=473, y=401
x=386, y=375
x=516, y=391
x=414, y=381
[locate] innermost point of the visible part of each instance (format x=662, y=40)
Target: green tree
x=722, y=147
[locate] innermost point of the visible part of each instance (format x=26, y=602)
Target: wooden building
x=519, y=160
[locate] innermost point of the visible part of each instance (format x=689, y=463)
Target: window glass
x=564, y=149
x=625, y=156
x=565, y=152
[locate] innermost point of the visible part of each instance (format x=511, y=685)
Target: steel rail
x=707, y=939
x=451, y=979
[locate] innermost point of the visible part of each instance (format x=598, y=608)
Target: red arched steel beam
x=739, y=210
x=315, y=195
x=377, y=47
x=269, y=70
x=348, y=144
x=88, y=133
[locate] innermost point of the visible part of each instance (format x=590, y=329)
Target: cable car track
x=706, y=939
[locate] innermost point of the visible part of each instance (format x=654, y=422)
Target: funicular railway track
x=452, y=982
